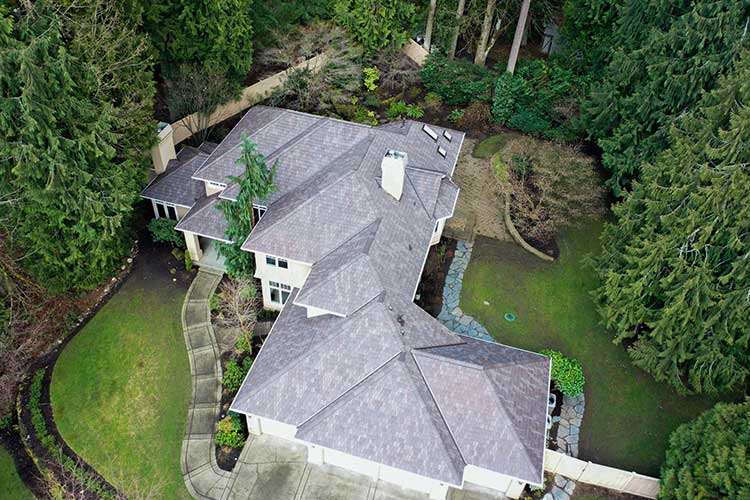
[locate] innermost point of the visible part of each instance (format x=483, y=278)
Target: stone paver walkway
x=203, y=477
x=451, y=314
x=479, y=209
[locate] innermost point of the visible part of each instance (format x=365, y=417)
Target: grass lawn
x=11, y=486
x=121, y=388
x=629, y=416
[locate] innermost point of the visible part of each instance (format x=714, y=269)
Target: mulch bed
x=226, y=457
x=430, y=290
x=589, y=491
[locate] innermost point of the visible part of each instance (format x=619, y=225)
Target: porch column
x=515, y=489
x=193, y=246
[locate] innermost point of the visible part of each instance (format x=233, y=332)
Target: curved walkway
x=203, y=477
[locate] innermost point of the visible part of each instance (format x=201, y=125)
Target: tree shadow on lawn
x=629, y=416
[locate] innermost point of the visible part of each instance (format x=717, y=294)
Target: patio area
x=211, y=258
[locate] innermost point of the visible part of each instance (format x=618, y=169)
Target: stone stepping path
x=451, y=314
x=203, y=477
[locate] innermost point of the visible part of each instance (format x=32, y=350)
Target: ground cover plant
x=629, y=416
x=120, y=389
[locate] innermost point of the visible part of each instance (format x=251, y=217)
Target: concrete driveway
x=270, y=468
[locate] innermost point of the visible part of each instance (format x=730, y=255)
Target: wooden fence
x=184, y=128
x=600, y=475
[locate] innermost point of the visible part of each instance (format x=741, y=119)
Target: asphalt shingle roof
x=176, y=185
x=379, y=378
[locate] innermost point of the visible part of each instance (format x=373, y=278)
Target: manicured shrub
x=709, y=458
x=235, y=373
x=229, y=432
x=457, y=82
x=567, y=373
x=456, y=115
x=162, y=230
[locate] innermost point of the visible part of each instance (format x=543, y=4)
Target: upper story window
x=217, y=185
x=165, y=210
x=276, y=262
x=258, y=211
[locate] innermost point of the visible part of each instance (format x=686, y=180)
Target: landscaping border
x=26, y=435
x=517, y=236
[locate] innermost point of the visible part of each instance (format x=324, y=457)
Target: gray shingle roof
x=390, y=384
x=380, y=378
x=175, y=184
x=205, y=219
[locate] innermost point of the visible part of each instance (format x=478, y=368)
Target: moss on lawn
x=629, y=416
x=120, y=389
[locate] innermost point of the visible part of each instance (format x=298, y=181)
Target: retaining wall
x=600, y=475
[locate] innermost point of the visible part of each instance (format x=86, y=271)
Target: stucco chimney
x=393, y=169
x=164, y=149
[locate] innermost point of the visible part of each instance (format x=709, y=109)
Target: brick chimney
x=164, y=149
x=393, y=168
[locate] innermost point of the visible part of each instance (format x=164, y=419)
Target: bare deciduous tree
x=239, y=305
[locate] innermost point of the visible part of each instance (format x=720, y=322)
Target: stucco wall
x=295, y=276
x=439, y=233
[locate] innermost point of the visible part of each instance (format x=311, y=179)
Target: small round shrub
x=229, y=432
x=162, y=230
x=477, y=115
x=567, y=373
x=456, y=115
x=235, y=374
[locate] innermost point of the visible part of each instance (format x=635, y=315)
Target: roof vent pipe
x=393, y=169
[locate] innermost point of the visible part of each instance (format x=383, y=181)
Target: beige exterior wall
x=193, y=246
x=438, y=233
x=181, y=211
x=294, y=276
x=212, y=188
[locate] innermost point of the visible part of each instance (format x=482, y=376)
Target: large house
x=353, y=368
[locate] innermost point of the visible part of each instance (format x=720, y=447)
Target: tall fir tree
x=256, y=184
x=76, y=96
x=709, y=458
x=217, y=34
x=675, y=269
x=665, y=53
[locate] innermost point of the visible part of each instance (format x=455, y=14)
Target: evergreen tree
x=587, y=34
x=256, y=184
x=76, y=97
x=709, y=458
x=675, y=269
x=665, y=54
x=217, y=34
x=376, y=24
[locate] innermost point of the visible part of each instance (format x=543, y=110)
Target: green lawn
x=121, y=388
x=11, y=486
x=629, y=416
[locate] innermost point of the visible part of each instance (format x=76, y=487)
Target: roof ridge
x=429, y=215
x=272, y=156
x=440, y=411
x=344, y=174
x=350, y=389
x=222, y=155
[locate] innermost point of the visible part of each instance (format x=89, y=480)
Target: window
x=447, y=135
x=437, y=226
x=276, y=262
x=165, y=210
x=279, y=292
x=217, y=185
x=258, y=211
x=427, y=130
x=442, y=152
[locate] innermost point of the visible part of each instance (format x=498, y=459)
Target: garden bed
x=430, y=290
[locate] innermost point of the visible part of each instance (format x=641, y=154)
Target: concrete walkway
x=202, y=475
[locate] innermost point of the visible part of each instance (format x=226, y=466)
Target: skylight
x=430, y=132
x=441, y=151
x=447, y=135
